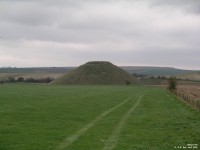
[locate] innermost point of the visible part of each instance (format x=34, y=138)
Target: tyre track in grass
x=113, y=139
x=69, y=140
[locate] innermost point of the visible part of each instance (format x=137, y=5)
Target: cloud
x=123, y=31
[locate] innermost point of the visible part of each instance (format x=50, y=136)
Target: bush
x=20, y=79
x=128, y=82
x=152, y=77
x=41, y=80
x=172, y=83
x=30, y=80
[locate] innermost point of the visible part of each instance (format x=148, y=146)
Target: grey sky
x=125, y=32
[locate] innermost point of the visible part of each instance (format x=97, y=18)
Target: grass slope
x=99, y=117
x=97, y=73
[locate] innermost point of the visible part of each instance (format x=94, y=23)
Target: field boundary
x=113, y=139
x=69, y=140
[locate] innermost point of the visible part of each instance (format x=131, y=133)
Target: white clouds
x=122, y=31
x=25, y=52
x=25, y=13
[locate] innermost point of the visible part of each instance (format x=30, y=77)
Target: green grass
x=42, y=117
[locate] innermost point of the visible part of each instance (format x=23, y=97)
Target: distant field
x=42, y=117
x=4, y=76
x=36, y=73
x=36, y=70
x=190, y=76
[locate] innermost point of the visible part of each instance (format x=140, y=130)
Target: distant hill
x=56, y=72
x=155, y=71
x=97, y=73
x=36, y=70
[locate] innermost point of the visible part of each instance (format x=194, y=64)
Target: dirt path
x=69, y=140
x=113, y=139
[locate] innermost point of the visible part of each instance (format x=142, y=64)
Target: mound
x=97, y=73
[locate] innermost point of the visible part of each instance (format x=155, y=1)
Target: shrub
x=41, y=80
x=172, y=83
x=20, y=79
x=152, y=77
x=127, y=82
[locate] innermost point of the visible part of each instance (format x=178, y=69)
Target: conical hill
x=97, y=73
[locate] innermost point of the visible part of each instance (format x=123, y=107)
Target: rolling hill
x=155, y=71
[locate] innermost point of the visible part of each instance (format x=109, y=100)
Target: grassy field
x=42, y=117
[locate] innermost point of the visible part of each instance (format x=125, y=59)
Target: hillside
x=97, y=73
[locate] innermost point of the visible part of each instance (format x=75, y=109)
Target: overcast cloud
x=126, y=32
